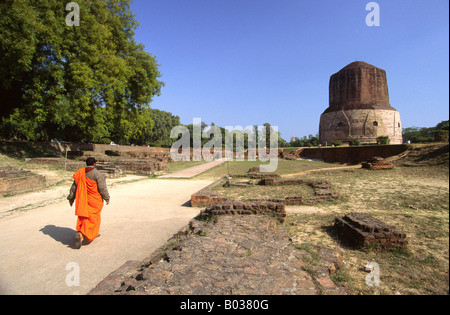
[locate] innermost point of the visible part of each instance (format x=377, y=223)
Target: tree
x=77, y=83
x=424, y=134
x=281, y=142
x=256, y=132
x=441, y=135
x=269, y=130
x=160, y=133
x=443, y=125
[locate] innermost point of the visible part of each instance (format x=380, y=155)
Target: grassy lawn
x=284, y=167
x=178, y=166
x=257, y=192
x=415, y=200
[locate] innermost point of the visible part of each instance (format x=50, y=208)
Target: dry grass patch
x=259, y=192
x=414, y=200
x=284, y=167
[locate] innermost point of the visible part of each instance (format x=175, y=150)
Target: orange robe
x=88, y=205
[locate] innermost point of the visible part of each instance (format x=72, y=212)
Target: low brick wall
x=353, y=155
x=322, y=192
x=247, y=208
x=378, y=163
x=148, y=166
x=20, y=181
x=141, y=167
x=70, y=164
x=205, y=197
x=361, y=230
x=255, y=175
x=102, y=148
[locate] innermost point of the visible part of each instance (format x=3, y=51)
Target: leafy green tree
x=441, y=135
x=256, y=132
x=443, y=125
x=74, y=83
x=269, y=130
x=426, y=134
x=310, y=141
x=281, y=142
x=164, y=122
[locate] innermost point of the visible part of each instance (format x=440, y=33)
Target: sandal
x=78, y=240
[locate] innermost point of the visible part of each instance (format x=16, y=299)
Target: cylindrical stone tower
x=359, y=107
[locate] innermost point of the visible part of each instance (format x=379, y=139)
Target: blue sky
x=248, y=62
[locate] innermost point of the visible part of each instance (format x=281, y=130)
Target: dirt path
x=36, y=246
x=44, y=197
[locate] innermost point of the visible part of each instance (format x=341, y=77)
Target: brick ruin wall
x=361, y=230
x=276, y=209
x=102, y=148
x=18, y=181
x=352, y=155
x=113, y=160
x=206, y=197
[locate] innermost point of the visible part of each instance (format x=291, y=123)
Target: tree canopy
x=75, y=83
x=427, y=134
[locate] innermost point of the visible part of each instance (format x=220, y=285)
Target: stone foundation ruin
x=13, y=181
x=112, y=160
x=207, y=197
x=377, y=163
x=361, y=230
x=276, y=209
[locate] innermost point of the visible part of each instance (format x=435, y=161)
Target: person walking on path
x=88, y=192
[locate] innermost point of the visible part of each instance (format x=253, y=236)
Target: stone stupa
x=359, y=107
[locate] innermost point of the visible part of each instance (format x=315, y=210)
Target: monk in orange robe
x=88, y=192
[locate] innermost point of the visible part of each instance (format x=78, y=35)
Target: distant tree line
x=252, y=136
x=439, y=133
x=310, y=141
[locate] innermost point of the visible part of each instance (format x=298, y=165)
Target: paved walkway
x=193, y=171
x=37, y=245
x=232, y=255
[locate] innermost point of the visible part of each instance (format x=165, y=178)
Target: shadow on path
x=65, y=236
x=187, y=204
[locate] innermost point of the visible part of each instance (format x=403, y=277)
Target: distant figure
x=88, y=191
